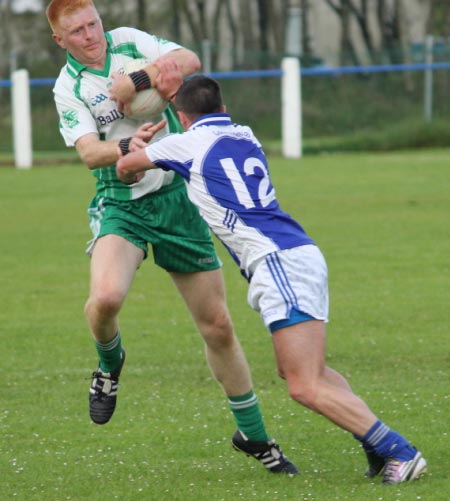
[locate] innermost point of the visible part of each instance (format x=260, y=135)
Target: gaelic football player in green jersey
x=90, y=94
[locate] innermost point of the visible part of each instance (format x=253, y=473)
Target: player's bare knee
x=106, y=305
x=218, y=331
x=305, y=395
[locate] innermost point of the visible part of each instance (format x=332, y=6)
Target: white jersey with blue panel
x=228, y=179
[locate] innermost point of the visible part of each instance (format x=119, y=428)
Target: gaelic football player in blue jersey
x=227, y=178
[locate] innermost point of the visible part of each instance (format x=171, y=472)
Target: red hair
x=59, y=8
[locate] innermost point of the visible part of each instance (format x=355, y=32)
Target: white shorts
x=291, y=279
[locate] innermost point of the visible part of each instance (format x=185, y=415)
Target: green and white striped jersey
x=83, y=104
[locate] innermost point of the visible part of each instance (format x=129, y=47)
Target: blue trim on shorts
x=295, y=317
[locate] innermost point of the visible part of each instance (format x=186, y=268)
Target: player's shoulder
x=64, y=81
x=171, y=139
x=246, y=132
x=238, y=131
x=124, y=34
x=242, y=127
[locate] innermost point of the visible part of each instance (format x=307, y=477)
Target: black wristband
x=141, y=80
x=124, y=145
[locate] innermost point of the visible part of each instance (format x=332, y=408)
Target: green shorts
x=180, y=239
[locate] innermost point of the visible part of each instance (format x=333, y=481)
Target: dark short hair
x=199, y=95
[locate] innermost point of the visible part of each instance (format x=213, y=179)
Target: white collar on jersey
x=212, y=119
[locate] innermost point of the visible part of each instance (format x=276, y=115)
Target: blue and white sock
x=387, y=443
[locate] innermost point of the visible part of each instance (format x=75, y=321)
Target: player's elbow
x=196, y=64
x=89, y=160
x=94, y=158
x=90, y=152
x=191, y=62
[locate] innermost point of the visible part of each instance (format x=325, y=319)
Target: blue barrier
x=320, y=70
x=224, y=75
x=384, y=68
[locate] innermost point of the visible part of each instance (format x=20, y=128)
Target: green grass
x=404, y=135
x=382, y=221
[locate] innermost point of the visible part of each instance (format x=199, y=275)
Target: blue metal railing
x=320, y=70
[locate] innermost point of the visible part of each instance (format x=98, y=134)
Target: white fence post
x=291, y=112
x=23, y=150
x=428, y=80
x=206, y=56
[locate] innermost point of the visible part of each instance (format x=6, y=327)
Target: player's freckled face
x=82, y=35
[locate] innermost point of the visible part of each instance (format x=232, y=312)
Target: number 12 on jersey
x=242, y=180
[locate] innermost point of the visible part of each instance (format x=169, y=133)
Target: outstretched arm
x=130, y=167
x=96, y=153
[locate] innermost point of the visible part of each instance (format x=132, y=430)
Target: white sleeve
x=75, y=119
x=172, y=152
x=170, y=147
x=149, y=45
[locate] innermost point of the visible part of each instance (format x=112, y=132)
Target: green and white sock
x=110, y=353
x=248, y=417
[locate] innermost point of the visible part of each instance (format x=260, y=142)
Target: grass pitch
x=382, y=222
